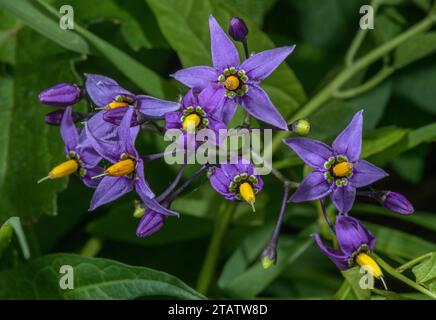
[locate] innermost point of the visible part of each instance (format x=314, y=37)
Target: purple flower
x=236, y=82
x=355, y=242
x=236, y=182
x=396, y=202
x=337, y=170
x=108, y=95
x=81, y=156
x=150, y=223
x=127, y=169
x=238, y=29
x=61, y=95
x=197, y=112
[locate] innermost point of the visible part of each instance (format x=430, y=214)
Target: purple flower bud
x=61, y=95
x=54, y=118
x=238, y=29
x=150, y=223
x=115, y=116
x=396, y=202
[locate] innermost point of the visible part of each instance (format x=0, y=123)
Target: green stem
x=346, y=74
x=207, y=272
x=394, y=273
x=373, y=82
x=411, y=263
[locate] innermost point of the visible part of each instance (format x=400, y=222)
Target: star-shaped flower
x=337, y=170
x=236, y=82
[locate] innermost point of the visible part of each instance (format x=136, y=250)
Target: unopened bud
x=54, y=118
x=238, y=29
x=150, y=223
x=396, y=202
x=115, y=116
x=268, y=257
x=61, y=95
x=300, y=127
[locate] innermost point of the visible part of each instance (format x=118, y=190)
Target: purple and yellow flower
x=108, y=95
x=82, y=159
x=355, y=244
x=337, y=170
x=235, y=82
x=127, y=170
x=236, y=182
x=197, y=112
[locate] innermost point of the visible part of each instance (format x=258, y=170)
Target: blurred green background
x=139, y=43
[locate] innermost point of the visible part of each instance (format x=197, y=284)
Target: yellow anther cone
x=116, y=104
x=363, y=259
x=121, y=168
x=64, y=169
x=342, y=169
x=232, y=83
x=191, y=122
x=247, y=194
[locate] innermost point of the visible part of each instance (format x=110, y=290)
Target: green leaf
x=94, y=279
x=353, y=277
x=425, y=273
x=381, y=139
x=185, y=25
x=414, y=49
x=26, y=12
x=398, y=244
x=14, y=224
x=110, y=10
x=255, y=279
x=28, y=147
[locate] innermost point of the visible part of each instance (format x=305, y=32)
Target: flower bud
x=115, y=116
x=54, y=118
x=396, y=202
x=61, y=95
x=268, y=257
x=150, y=223
x=238, y=29
x=300, y=127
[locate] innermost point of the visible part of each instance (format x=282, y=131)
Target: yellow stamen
x=342, y=169
x=363, y=259
x=116, y=104
x=64, y=169
x=231, y=83
x=247, y=194
x=191, y=122
x=121, y=168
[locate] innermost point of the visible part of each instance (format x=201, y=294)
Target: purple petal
x=109, y=189
x=196, y=77
x=212, y=98
x=172, y=120
x=150, y=223
x=365, y=173
x=140, y=183
x=224, y=52
x=339, y=258
x=220, y=183
x=103, y=90
x=313, y=152
x=152, y=204
x=69, y=133
x=261, y=65
x=155, y=108
x=92, y=172
x=258, y=104
x=108, y=149
x=226, y=112
x=189, y=99
x=349, y=141
x=343, y=198
x=352, y=235
x=313, y=187
x=101, y=129
x=127, y=134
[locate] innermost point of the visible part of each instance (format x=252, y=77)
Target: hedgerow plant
x=322, y=162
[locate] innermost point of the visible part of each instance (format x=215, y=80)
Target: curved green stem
x=394, y=273
x=373, y=82
x=92, y=247
x=413, y=262
x=346, y=74
x=207, y=272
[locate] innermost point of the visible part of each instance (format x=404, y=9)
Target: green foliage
x=94, y=279
x=425, y=272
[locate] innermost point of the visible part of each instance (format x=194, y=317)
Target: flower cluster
x=100, y=145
